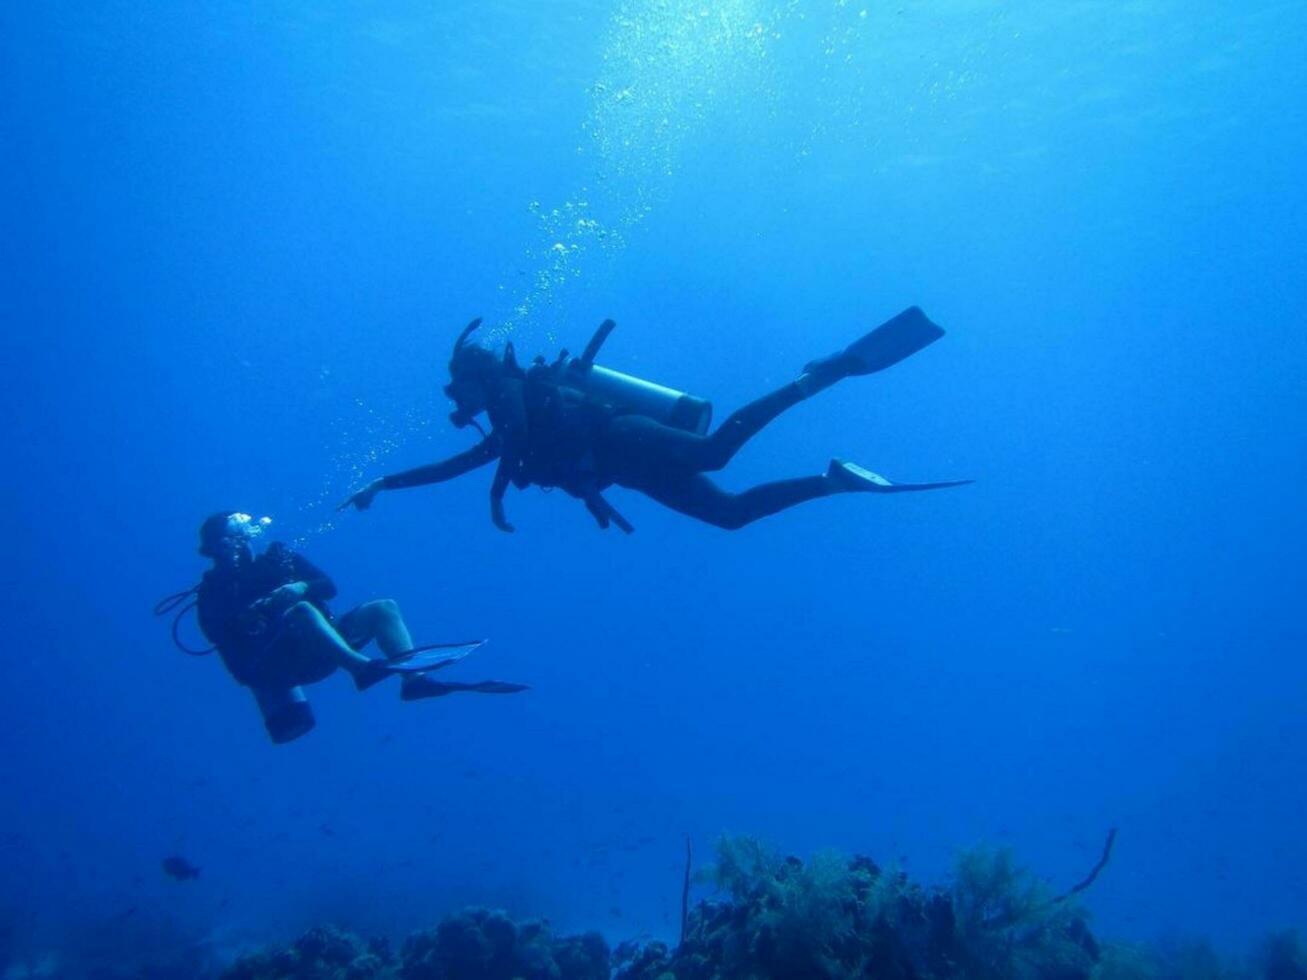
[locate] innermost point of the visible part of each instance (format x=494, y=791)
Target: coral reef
x=322, y=953
x=1284, y=958
x=843, y=918
x=835, y=917
x=771, y=917
x=475, y=945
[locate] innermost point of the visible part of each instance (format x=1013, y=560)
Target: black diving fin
x=894, y=340
x=418, y=688
x=854, y=477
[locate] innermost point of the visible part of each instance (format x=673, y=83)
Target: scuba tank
x=658, y=402
x=624, y=391
x=286, y=712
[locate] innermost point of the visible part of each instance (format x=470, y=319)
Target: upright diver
x=582, y=427
x=267, y=617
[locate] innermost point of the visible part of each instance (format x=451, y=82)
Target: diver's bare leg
x=320, y=637
x=379, y=620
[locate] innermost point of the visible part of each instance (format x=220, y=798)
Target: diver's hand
x=279, y=599
x=363, y=498
x=497, y=516
x=288, y=594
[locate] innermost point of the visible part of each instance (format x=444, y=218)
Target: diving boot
x=854, y=478
x=891, y=342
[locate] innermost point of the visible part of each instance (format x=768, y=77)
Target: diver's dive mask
x=246, y=527
x=469, y=399
x=234, y=531
x=467, y=378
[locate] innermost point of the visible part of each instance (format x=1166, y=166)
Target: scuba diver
x=577, y=425
x=267, y=617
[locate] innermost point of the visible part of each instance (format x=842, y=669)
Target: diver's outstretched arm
x=466, y=461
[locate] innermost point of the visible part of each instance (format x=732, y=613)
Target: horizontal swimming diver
x=582, y=427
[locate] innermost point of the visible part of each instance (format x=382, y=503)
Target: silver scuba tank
x=663, y=404
x=286, y=712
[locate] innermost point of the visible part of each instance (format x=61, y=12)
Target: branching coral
x=1008, y=926
x=833, y=917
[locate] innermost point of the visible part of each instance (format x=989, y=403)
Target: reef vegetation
x=475, y=945
x=770, y=916
x=835, y=917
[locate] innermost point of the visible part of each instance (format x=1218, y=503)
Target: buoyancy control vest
x=565, y=406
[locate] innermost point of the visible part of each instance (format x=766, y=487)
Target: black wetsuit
x=250, y=641
x=668, y=464
x=549, y=434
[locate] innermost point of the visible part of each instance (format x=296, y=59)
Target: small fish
x=179, y=869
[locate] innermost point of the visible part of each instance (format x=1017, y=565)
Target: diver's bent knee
x=713, y=459
x=717, y=451
x=730, y=522
x=301, y=610
x=380, y=607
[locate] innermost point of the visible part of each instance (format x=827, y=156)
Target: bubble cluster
x=364, y=438
x=666, y=66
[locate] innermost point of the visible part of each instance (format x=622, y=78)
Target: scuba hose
x=183, y=602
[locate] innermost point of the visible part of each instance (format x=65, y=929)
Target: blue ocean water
x=239, y=243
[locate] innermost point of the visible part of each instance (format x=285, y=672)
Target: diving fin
x=851, y=476
x=418, y=688
x=432, y=656
x=893, y=341
x=493, y=687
